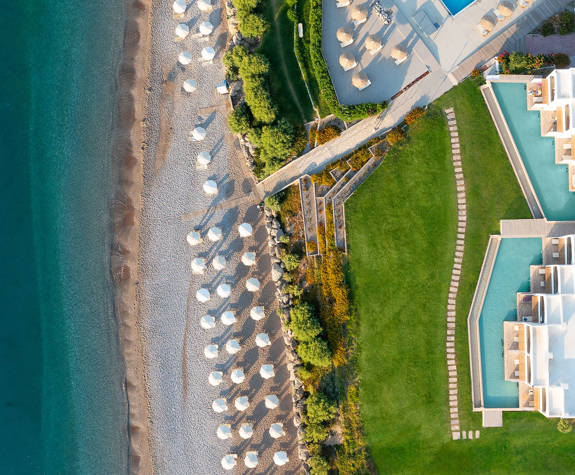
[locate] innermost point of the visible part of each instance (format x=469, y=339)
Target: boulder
x=277, y=272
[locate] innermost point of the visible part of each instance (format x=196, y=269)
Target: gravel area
x=183, y=423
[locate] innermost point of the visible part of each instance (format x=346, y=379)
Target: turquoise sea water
x=551, y=181
x=62, y=403
x=510, y=275
x=455, y=6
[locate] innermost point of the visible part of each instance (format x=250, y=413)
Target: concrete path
x=537, y=44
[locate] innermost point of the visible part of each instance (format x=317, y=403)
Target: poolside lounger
x=555, y=241
x=555, y=255
x=542, y=283
x=567, y=146
x=516, y=361
x=523, y=3
x=516, y=339
x=516, y=373
x=538, y=100
x=542, y=271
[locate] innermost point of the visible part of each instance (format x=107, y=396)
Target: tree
x=275, y=141
x=232, y=61
x=263, y=109
x=303, y=324
x=245, y=6
x=253, y=65
x=252, y=25
x=239, y=121
x=319, y=409
x=315, y=433
x=564, y=426
x=318, y=465
x=274, y=203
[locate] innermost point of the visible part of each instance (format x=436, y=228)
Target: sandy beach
x=180, y=427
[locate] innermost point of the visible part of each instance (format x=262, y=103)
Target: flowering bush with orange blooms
x=521, y=63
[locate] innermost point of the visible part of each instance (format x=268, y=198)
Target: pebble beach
x=183, y=425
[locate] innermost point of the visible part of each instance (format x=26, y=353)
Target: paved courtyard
x=435, y=40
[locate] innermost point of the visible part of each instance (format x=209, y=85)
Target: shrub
x=548, y=28
x=239, y=121
x=323, y=178
x=561, y=60
x=252, y=25
x=284, y=239
x=415, y=114
x=303, y=323
x=311, y=247
x=359, y=158
x=291, y=262
x=326, y=134
x=521, y=63
x=566, y=22
x=564, y=426
x=318, y=465
x=315, y=352
x=300, y=140
x=274, y=203
x=315, y=433
x=319, y=409
x=292, y=15
x=394, y=136
x=295, y=290
x=253, y=65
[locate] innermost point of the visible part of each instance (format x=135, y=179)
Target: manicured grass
x=401, y=235
x=287, y=85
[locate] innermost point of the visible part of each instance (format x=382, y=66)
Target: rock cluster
x=275, y=232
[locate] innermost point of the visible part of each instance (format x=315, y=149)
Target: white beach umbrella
x=253, y=285
x=206, y=28
x=257, y=313
x=198, y=134
x=224, y=431
x=182, y=31
x=190, y=85
x=214, y=234
x=228, y=318
x=208, y=53
x=280, y=458
x=185, y=58
x=248, y=258
x=207, y=322
x=219, y=405
x=245, y=230
x=262, y=340
x=242, y=403
x=246, y=431
x=204, y=159
x=238, y=376
x=229, y=461
x=219, y=262
x=203, y=295
x=215, y=378
x=224, y=290
x=179, y=7
x=210, y=187
x=205, y=5
x=251, y=459
x=198, y=265
x=276, y=430
x=267, y=371
x=211, y=351
x=272, y=401
x=194, y=238
x=233, y=346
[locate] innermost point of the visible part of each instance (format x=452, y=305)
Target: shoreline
x=133, y=77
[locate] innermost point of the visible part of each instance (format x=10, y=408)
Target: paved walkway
x=456, y=432
x=537, y=44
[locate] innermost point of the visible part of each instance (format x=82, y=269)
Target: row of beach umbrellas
x=251, y=460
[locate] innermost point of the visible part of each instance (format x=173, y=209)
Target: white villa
x=539, y=348
x=554, y=97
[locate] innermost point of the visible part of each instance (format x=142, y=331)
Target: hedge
x=327, y=91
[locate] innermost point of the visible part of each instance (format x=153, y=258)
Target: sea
x=63, y=406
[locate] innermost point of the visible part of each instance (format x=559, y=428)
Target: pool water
x=455, y=6
x=510, y=275
x=550, y=181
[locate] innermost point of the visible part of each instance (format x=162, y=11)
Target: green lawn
x=287, y=86
x=401, y=235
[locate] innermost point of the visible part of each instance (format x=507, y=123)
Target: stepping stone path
x=456, y=432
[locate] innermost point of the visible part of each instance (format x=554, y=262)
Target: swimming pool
x=550, y=181
x=510, y=275
x=455, y=6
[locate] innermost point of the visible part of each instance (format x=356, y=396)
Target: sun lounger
x=567, y=146
x=516, y=373
x=537, y=100
x=516, y=361
x=343, y=3
x=542, y=283
x=542, y=271
x=555, y=255
x=516, y=339
x=555, y=241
